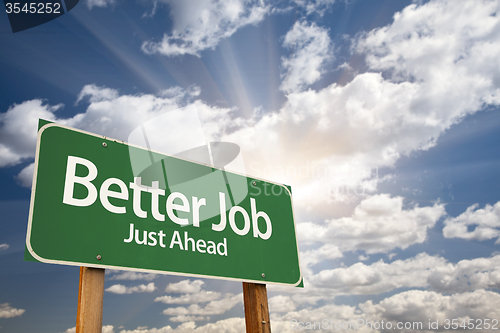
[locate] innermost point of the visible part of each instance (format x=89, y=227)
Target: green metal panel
x=63, y=233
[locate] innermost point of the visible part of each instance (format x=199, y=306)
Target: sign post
x=102, y=203
x=90, y=300
x=256, y=308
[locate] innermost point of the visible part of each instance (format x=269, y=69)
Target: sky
x=381, y=115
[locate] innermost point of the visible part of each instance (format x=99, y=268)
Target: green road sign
x=100, y=202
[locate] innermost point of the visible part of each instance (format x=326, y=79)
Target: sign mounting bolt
x=104, y=144
x=263, y=275
x=255, y=183
x=98, y=257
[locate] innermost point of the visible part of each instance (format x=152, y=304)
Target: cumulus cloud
x=378, y=224
x=426, y=44
x=25, y=177
x=200, y=25
x=314, y=6
x=185, y=287
x=335, y=313
x=109, y=114
x=414, y=308
x=281, y=303
x=183, y=318
x=216, y=307
x=230, y=325
x=193, y=294
x=108, y=329
x=6, y=311
x=466, y=275
x=18, y=130
x=99, y=3
x=117, y=115
x=186, y=327
x=339, y=135
x=486, y=223
x=105, y=329
x=311, y=49
x=132, y=276
x=121, y=289
x=97, y=94
x=422, y=271
x=420, y=306
x=378, y=277
x=199, y=297
x=310, y=258
x=435, y=64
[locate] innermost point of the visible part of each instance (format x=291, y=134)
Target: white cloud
x=281, y=303
x=466, y=275
x=339, y=135
x=192, y=294
x=420, y=306
x=97, y=94
x=230, y=325
x=25, y=177
x=376, y=278
x=486, y=221
x=378, y=224
x=451, y=48
x=198, y=297
x=311, y=47
x=121, y=289
x=183, y=318
x=18, y=130
x=4, y=246
x=152, y=12
x=108, y=114
x=6, y=311
x=105, y=329
x=391, y=255
x=132, y=276
x=408, y=307
x=116, y=116
x=310, y=258
x=216, y=307
x=421, y=271
x=315, y=6
x=99, y=3
x=186, y=327
x=200, y=25
x=435, y=64
x=368, y=123
x=185, y=287
x=285, y=323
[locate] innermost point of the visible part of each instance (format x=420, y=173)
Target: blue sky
x=381, y=115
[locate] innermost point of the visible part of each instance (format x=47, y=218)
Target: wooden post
x=256, y=308
x=90, y=296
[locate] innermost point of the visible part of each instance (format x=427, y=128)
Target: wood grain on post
x=90, y=296
x=256, y=308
